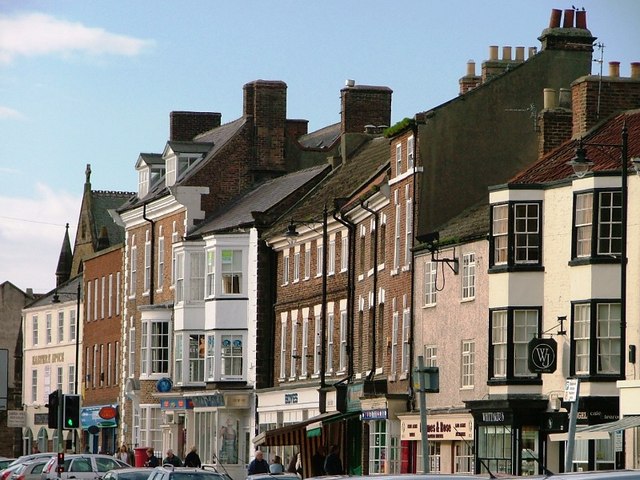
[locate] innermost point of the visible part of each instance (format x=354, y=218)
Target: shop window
x=463, y=461
x=529, y=452
x=494, y=448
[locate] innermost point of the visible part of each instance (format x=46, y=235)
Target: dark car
x=128, y=474
x=169, y=472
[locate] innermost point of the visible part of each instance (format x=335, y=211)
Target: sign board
x=571, y=390
x=16, y=418
x=543, y=356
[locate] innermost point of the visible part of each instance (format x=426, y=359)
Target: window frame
x=151, y=355
x=430, y=290
x=511, y=376
x=468, y=276
x=595, y=341
x=513, y=237
x=595, y=226
x=467, y=364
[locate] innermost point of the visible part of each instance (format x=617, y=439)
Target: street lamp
x=292, y=234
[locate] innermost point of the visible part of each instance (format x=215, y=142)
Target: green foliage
x=399, y=127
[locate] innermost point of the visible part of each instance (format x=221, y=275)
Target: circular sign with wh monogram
x=543, y=356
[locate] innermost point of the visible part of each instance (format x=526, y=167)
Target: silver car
x=85, y=466
x=30, y=470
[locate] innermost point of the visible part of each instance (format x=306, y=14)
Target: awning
x=295, y=433
x=601, y=431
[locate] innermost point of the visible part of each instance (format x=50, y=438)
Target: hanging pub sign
x=543, y=355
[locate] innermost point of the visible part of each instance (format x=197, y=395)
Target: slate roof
x=553, y=166
x=321, y=139
x=342, y=182
x=101, y=203
x=209, y=142
x=471, y=224
x=150, y=159
x=67, y=292
x=262, y=198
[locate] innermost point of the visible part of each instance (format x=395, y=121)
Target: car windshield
x=195, y=476
x=134, y=475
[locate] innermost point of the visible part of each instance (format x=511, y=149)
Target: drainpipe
x=351, y=282
x=411, y=399
x=374, y=340
x=152, y=286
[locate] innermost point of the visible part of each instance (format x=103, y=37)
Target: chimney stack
x=470, y=80
x=573, y=35
x=184, y=126
x=554, y=122
x=364, y=105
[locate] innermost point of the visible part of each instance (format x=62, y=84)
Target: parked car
x=169, y=472
x=31, y=470
x=5, y=462
x=82, y=466
x=7, y=472
x=33, y=456
x=133, y=473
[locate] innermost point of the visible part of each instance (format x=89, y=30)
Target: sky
x=94, y=82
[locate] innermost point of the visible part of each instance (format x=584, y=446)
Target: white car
x=85, y=466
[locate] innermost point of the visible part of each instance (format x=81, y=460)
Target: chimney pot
x=549, y=99
x=581, y=19
x=350, y=83
x=635, y=70
x=471, y=68
x=554, y=21
x=506, y=53
x=493, y=52
x=614, y=69
x=564, y=100
x=568, y=18
x=520, y=54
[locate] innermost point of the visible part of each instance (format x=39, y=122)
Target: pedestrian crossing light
x=71, y=409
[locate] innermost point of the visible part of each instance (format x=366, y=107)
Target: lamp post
x=291, y=235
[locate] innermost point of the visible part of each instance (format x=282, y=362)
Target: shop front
x=509, y=434
x=450, y=438
x=381, y=433
x=219, y=425
x=99, y=425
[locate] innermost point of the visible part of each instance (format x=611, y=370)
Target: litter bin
x=140, y=456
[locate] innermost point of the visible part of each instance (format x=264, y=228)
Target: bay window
x=231, y=271
x=597, y=225
x=516, y=237
x=510, y=331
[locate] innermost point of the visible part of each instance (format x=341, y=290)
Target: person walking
x=122, y=454
x=258, y=464
x=192, y=459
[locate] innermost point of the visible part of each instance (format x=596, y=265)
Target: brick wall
x=555, y=129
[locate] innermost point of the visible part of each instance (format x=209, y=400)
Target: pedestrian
x=192, y=459
x=276, y=465
x=299, y=464
x=258, y=464
x=172, y=459
x=333, y=464
x=291, y=468
x=317, y=463
x=152, y=460
x=122, y=454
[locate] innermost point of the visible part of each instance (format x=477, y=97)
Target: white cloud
x=32, y=34
x=31, y=235
x=6, y=112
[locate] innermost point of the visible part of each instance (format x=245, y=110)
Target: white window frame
x=499, y=342
x=410, y=152
x=582, y=338
x=430, y=355
x=307, y=261
x=344, y=252
x=229, y=358
x=118, y=293
x=331, y=260
x=103, y=288
x=394, y=341
x=317, y=345
x=210, y=281
x=160, y=278
x=196, y=276
x=231, y=271
x=398, y=158
x=179, y=285
x=430, y=288
x=304, y=364
x=60, y=326
x=110, y=296
x=133, y=262
x=343, y=341
x=72, y=325
x=147, y=263
x=406, y=331
x=296, y=266
x=155, y=354
x=396, y=235
x=48, y=327
x=330, y=329
x=408, y=226
x=294, y=348
x=469, y=276
x=285, y=268
x=34, y=330
x=319, y=255
x=500, y=233
x=132, y=350
x=283, y=348
x=467, y=363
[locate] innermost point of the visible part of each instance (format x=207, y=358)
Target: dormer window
x=143, y=182
x=177, y=165
x=171, y=170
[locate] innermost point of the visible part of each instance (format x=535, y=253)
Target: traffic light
x=71, y=412
x=53, y=405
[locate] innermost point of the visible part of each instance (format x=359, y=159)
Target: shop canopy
x=601, y=431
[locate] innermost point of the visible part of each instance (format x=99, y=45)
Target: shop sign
x=290, y=398
x=16, y=418
x=354, y=392
x=90, y=417
x=379, y=414
x=176, y=403
x=443, y=429
x=216, y=400
x=41, y=419
x=495, y=417
x=543, y=357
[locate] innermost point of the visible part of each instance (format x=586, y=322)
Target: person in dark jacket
x=258, y=464
x=192, y=459
x=333, y=464
x=172, y=459
x=152, y=460
x=317, y=463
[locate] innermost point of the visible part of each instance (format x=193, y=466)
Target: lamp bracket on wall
x=432, y=241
